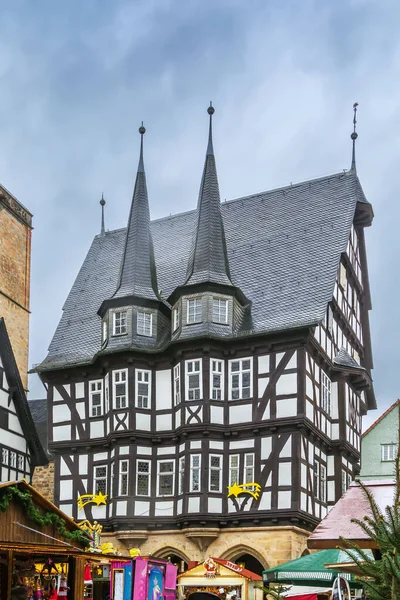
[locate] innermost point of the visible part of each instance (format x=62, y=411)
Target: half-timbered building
x=20, y=447
x=210, y=369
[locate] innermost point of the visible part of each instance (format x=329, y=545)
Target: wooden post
x=9, y=573
x=79, y=574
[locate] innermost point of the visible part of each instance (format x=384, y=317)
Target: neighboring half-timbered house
x=210, y=369
x=20, y=447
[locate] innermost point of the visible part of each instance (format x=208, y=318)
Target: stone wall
x=43, y=480
x=15, y=260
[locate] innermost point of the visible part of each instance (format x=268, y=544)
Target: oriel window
x=119, y=323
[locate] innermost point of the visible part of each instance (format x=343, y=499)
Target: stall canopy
x=309, y=570
x=353, y=504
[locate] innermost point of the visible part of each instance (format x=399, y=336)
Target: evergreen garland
x=48, y=518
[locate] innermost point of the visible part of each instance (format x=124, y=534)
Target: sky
x=77, y=78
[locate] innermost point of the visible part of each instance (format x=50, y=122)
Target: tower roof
x=208, y=259
x=138, y=275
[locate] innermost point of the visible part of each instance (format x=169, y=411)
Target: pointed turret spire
x=102, y=203
x=208, y=261
x=354, y=136
x=138, y=269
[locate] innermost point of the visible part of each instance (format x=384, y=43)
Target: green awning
x=310, y=569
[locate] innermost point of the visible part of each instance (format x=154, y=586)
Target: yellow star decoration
x=100, y=498
x=244, y=488
x=97, y=499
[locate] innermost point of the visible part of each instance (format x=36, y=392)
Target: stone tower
x=15, y=264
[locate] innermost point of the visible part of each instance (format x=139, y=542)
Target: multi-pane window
x=344, y=481
x=105, y=331
x=388, y=452
x=123, y=478
x=165, y=478
x=220, y=310
x=240, y=379
x=177, y=384
x=233, y=469
x=144, y=323
x=181, y=475
x=119, y=323
x=216, y=380
x=320, y=481
x=248, y=468
x=100, y=479
x=120, y=389
x=4, y=456
x=194, y=310
x=175, y=318
x=195, y=463
x=21, y=462
x=96, y=398
x=215, y=482
x=325, y=393
x=106, y=393
x=143, y=478
x=13, y=459
x=193, y=380
x=143, y=388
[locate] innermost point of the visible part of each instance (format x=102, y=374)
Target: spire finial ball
x=142, y=129
x=354, y=135
x=102, y=201
x=211, y=109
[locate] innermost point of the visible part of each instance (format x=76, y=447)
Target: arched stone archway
x=174, y=555
x=252, y=559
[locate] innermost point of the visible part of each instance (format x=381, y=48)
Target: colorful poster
x=155, y=589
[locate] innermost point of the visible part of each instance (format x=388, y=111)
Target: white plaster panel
x=144, y=450
x=279, y=357
x=286, y=407
x=304, y=476
x=217, y=414
x=80, y=407
x=292, y=364
x=266, y=414
x=66, y=489
x=309, y=388
x=181, y=447
x=68, y=509
x=142, y=508
x=302, y=452
x=83, y=464
x=67, y=388
x=80, y=390
x=310, y=410
x=335, y=431
x=96, y=429
x=311, y=453
x=263, y=364
x=164, y=422
x=143, y=421
x=99, y=512
x=231, y=507
x=269, y=480
x=178, y=418
x=285, y=474
x=64, y=470
x=61, y=433
x=241, y=444
x=323, y=512
x=4, y=399
x=164, y=509
x=303, y=501
x=179, y=505
x=195, y=445
x=334, y=400
x=124, y=450
x=284, y=499
x=61, y=413
x=331, y=465
x=216, y=445
x=286, y=451
x=122, y=507
x=14, y=424
x=265, y=501
x=100, y=456
x=331, y=491
x=4, y=475
x=240, y=414
x=13, y=475
x=57, y=396
x=262, y=384
x=265, y=447
x=163, y=390
x=286, y=384
x=193, y=504
x=167, y=450
x=215, y=505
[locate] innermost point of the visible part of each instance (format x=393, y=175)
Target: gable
x=283, y=246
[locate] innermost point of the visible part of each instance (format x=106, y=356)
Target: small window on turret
x=194, y=310
x=220, y=311
x=144, y=323
x=119, y=323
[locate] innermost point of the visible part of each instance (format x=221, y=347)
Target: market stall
x=142, y=578
x=219, y=579
x=42, y=551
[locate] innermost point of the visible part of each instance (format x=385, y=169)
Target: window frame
x=188, y=374
x=221, y=374
x=237, y=469
x=181, y=475
x=92, y=393
x=104, y=331
x=168, y=474
x=212, y=469
x=177, y=384
x=326, y=393
x=144, y=332
x=175, y=318
x=189, y=302
x=103, y=478
x=148, y=383
x=121, y=475
x=192, y=470
x=387, y=447
x=114, y=323
x=226, y=311
x=147, y=474
x=115, y=383
x=240, y=372
x=252, y=467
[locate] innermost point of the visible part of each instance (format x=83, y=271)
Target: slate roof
x=283, y=247
x=38, y=410
x=344, y=359
x=208, y=259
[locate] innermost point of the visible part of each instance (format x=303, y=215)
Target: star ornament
x=100, y=498
x=234, y=490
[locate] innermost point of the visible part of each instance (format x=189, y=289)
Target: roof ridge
x=379, y=419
